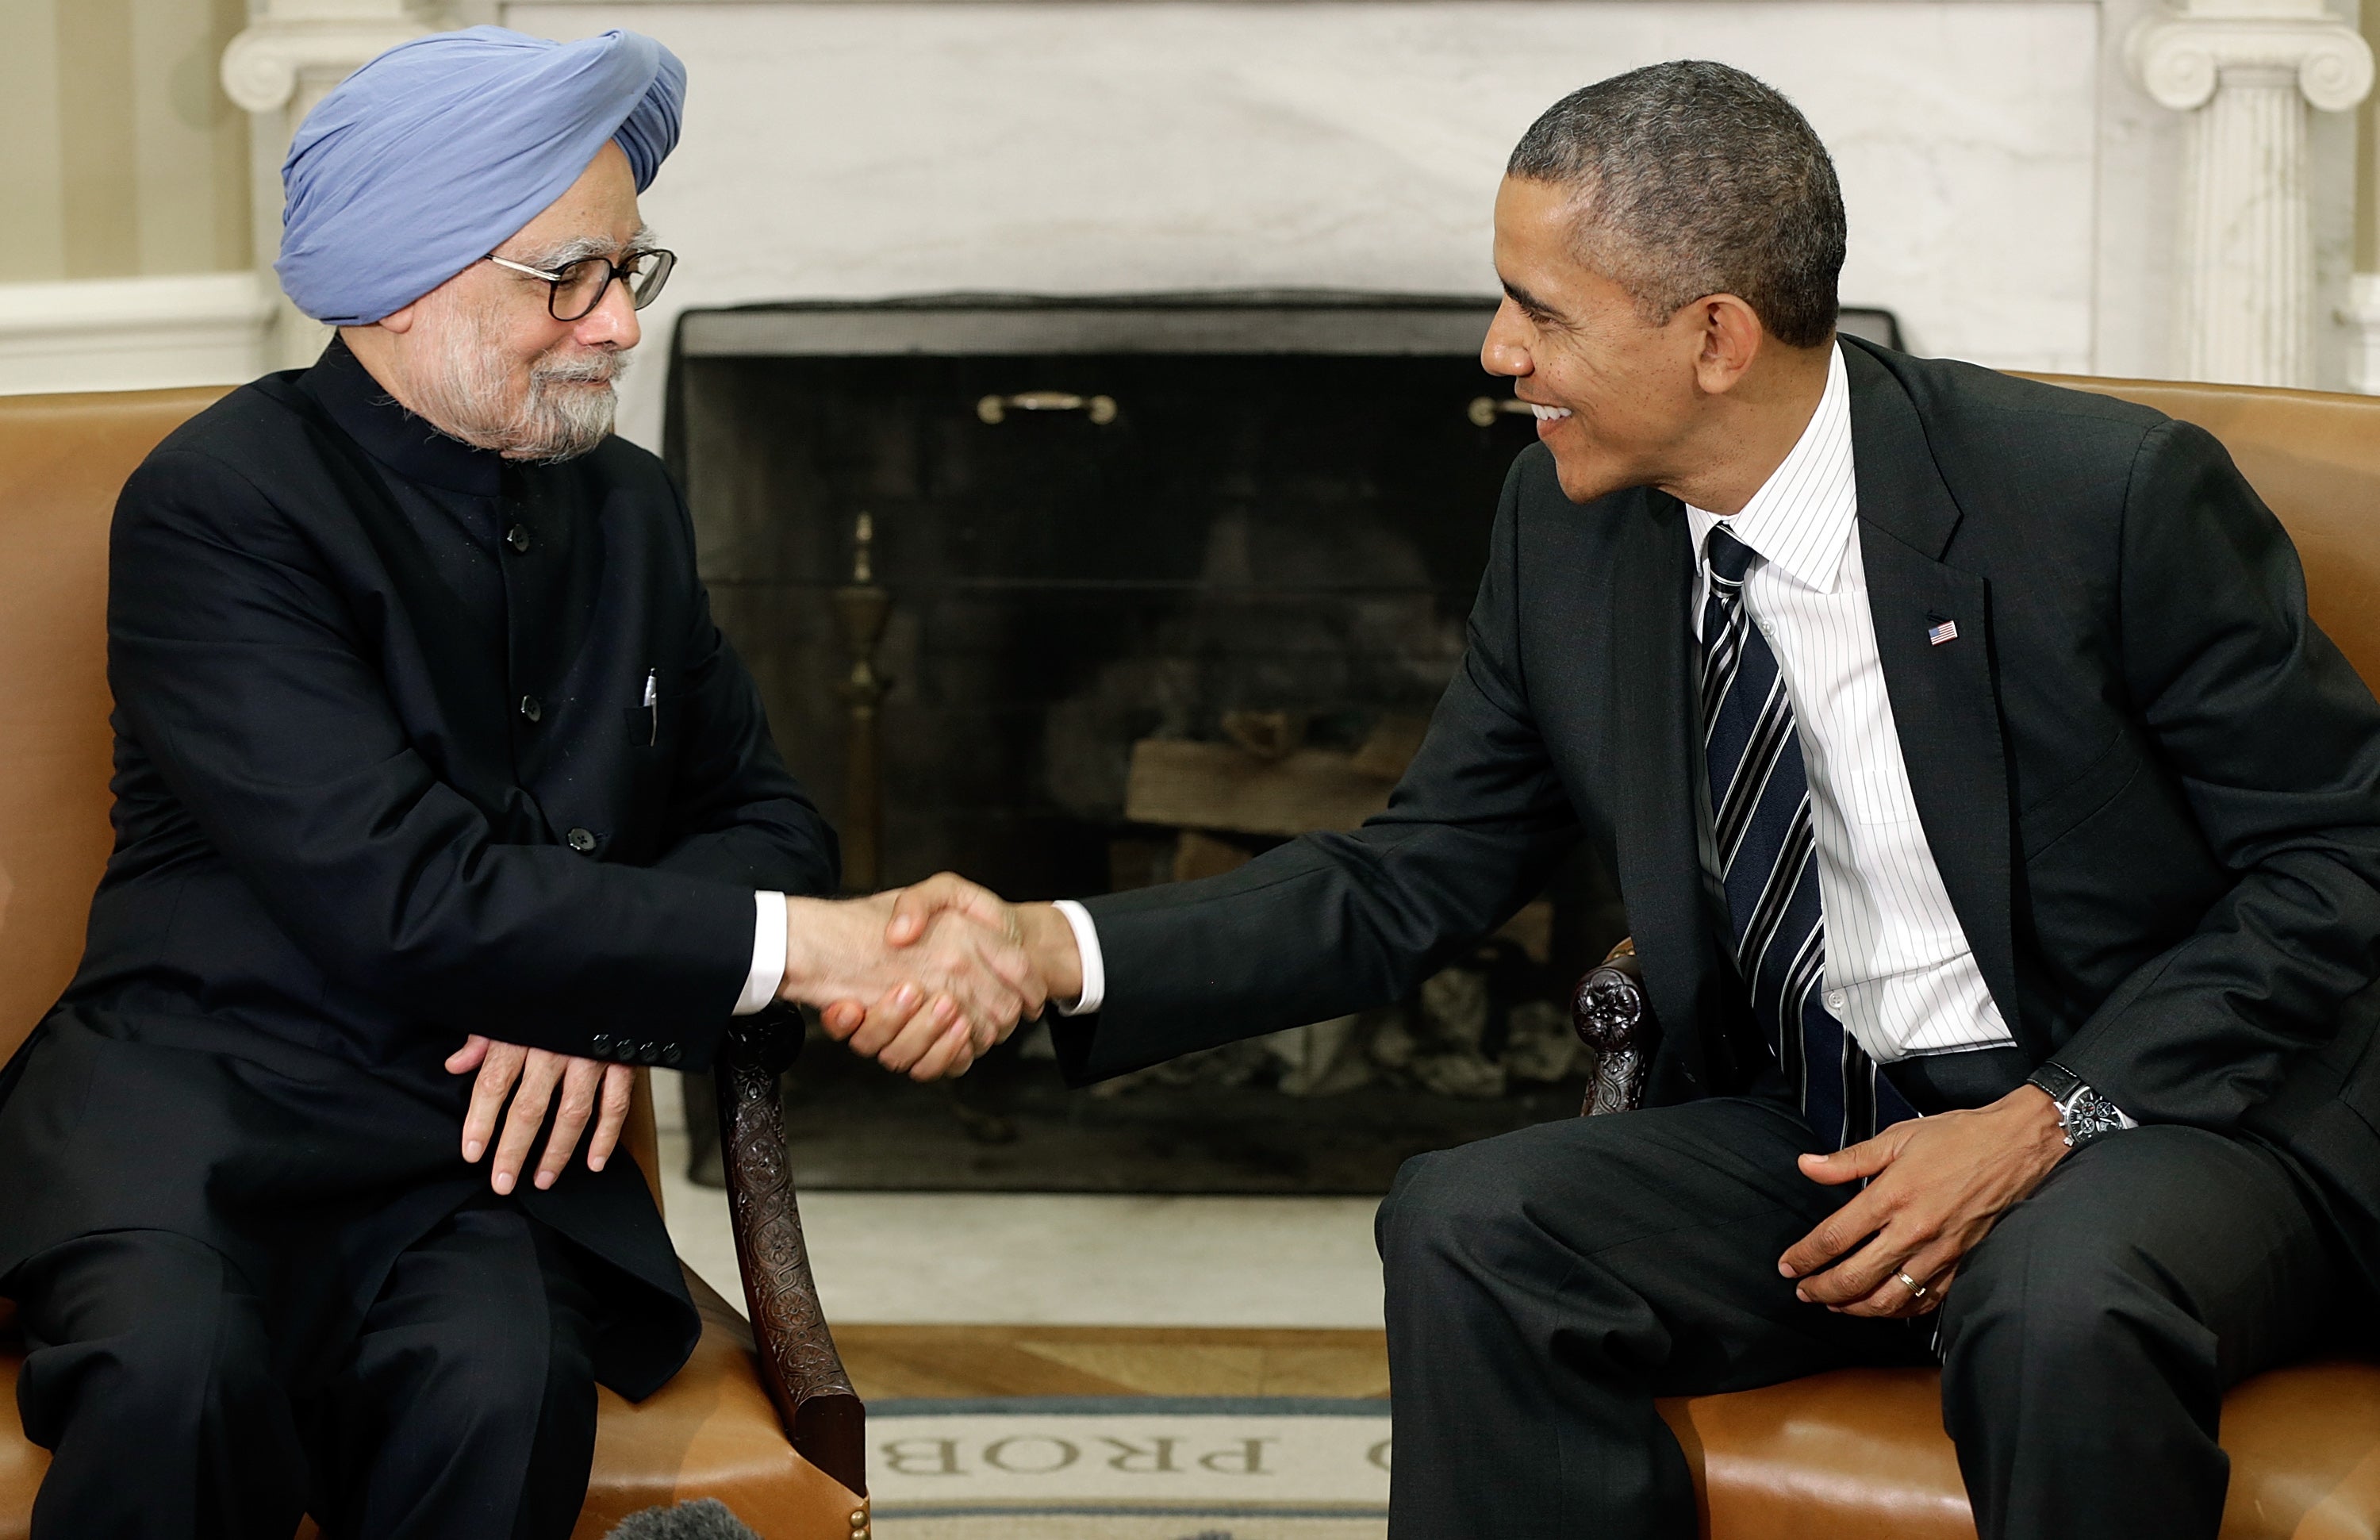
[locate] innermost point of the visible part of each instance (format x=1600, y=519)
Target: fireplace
x=1170, y=578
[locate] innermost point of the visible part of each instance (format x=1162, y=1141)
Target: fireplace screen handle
x=1483, y=409
x=1100, y=410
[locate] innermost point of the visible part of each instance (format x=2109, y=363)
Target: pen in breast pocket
x=654, y=703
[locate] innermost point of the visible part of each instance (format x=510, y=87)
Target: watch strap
x=2083, y=1115
x=2056, y=1079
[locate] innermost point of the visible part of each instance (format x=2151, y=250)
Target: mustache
x=598, y=367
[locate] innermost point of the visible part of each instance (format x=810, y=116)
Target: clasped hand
x=926, y=980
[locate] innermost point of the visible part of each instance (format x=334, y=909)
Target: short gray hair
x=1695, y=178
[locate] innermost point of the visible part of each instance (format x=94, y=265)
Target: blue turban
x=439, y=150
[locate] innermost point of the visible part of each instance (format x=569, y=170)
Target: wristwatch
x=2083, y=1114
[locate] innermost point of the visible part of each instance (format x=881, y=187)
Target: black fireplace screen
x=1170, y=579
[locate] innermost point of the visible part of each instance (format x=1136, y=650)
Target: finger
x=1867, y=1277
x=501, y=1065
x=914, y=907
x=1861, y=1272
x=581, y=1079
x=539, y=1075
x=619, y=1092
x=1938, y=1290
x=924, y=1029
x=842, y=1018
x=951, y=1056
x=885, y=1020
x=1836, y=1235
x=982, y=995
x=1868, y=1158
x=1894, y=1299
x=1913, y=1303
x=464, y=1060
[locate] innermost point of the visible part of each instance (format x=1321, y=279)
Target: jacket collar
x=1901, y=488
x=402, y=442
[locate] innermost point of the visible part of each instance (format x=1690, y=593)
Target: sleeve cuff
x=1086, y=942
x=767, y=954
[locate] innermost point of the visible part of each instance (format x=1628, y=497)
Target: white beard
x=467, y=392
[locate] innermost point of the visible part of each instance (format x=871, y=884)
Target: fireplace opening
x=1147, y=584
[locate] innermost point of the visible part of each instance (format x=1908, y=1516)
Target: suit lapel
x=1653, y=709
x=1944, y=703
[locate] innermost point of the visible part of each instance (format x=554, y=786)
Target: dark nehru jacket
x=386, y=775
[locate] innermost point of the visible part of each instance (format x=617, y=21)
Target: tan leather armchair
x=768, y=1426
x=1860, y=1454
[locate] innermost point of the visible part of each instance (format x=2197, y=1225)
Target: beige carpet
x=1130, y=1468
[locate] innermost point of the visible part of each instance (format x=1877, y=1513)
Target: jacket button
x=530, y=709
x=580, y=841
x=518, y=538
x=669, y=1054
x=650, y=1052
x=600, y=1044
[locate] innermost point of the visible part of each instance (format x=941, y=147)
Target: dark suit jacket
x=384, y=777
x=2152, y=785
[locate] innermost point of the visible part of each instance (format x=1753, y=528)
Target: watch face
x=2091, y=1116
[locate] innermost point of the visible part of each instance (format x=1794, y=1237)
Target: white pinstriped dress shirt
x=1900, y=975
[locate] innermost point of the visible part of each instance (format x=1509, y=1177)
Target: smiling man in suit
x=2001, y=843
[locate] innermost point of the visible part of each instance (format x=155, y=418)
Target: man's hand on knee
x=1937, y=1185
x=528, y=1078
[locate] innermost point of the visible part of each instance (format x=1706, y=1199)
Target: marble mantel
x=2015, y=193
x=852, y=150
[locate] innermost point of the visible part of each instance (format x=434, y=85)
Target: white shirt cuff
x=1095, y=968
x=768, y=953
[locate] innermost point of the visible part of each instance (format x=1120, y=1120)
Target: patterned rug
x=1130, y=1468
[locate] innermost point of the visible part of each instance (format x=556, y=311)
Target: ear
x=1731, y=336
x=399, y=320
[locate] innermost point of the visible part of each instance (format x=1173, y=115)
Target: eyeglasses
x=575, y=290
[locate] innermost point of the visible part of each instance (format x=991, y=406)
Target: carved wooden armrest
x=1609, y=1013
x=799, y=1363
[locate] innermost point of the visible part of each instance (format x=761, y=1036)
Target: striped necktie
x=1768, y=861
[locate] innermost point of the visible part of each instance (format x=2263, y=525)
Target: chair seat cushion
x=1859, y=1455
x=708, y=1433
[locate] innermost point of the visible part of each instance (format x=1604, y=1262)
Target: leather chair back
x=63, y=460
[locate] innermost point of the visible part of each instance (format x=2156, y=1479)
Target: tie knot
x=1729, y=558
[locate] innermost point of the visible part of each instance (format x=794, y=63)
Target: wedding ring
x=1916, y=1290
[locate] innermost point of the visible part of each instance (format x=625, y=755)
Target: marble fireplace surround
x=2013, y=192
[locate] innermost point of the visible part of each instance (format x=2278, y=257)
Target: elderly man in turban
x=441, y=801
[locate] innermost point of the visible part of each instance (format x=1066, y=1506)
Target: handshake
x=924, y=979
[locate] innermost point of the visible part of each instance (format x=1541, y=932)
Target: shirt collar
x=1801, y=518
x=404, y=442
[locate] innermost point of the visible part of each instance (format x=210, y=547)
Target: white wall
x=2013, y=193
x=850, y=150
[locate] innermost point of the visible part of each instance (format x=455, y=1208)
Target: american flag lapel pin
x=1946, y=632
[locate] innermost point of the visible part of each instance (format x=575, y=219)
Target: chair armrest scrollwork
x=804, y=1374
x=1612, y=1017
